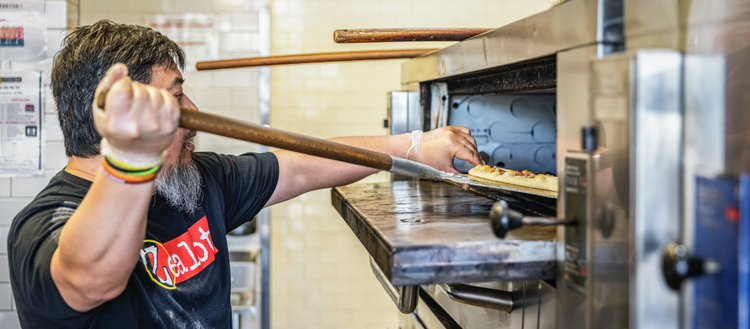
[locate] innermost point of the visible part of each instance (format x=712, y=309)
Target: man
x=98, y=248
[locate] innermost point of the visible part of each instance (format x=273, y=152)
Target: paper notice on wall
x=21, y=123
x=195, y=33
x=22, y=30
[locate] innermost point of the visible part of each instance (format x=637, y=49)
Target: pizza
x=523, y=178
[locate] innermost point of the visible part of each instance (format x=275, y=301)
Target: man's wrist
x=414, y=150
x=130, y=161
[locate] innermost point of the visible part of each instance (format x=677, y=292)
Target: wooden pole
x=401, y=35
x=311, y=58
x=250, y=132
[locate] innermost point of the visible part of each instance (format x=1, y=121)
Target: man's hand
x=139, y=121
x=438, y=147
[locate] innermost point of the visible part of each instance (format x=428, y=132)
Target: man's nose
x=186, y=102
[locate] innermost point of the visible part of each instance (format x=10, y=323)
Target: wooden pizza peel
x=255, y=133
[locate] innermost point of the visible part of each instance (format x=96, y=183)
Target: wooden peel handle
x=227, y=127
x=311, y=58
x=401, y=35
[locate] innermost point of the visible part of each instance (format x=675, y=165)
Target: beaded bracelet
x=112, y=162
x=127, y=165
x=129, y=178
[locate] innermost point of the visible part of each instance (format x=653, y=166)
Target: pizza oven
x=610, y=96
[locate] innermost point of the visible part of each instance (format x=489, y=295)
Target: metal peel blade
x=416, y=169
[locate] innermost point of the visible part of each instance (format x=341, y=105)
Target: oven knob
x=504, y=219
x=678, y=265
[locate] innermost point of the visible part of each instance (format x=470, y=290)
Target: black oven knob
x=504, y=219
x=678, y=265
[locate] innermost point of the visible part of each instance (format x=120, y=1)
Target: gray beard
x=181, y=187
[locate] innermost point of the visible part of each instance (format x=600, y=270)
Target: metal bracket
x=478, y=296
x=439, y=105
x=405, y=297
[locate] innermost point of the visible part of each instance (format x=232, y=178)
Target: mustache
x=189, y=138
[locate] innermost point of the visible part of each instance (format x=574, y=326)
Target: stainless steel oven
x=639, y=107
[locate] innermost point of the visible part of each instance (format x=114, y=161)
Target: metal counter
x=426, y=232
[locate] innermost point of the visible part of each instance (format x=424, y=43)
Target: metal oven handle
x=478, y=296
x=405, y=297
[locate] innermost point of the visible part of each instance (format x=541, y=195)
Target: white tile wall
x=4, y=187
x=16, y=193
x=9, y=320
x=10, y=207
x=334, y=99
x=3, y=238
x=5, y=297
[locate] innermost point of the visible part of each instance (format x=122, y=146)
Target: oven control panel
x=575, y=187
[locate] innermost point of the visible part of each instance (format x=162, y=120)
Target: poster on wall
x=195, y=33
x=22, y=30
x=21, y=123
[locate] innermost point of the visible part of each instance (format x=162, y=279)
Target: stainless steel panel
x=636, y=189
x=656, y=154
x=573, y=113
x=713, y=35
x=404, y=115
x=607, y=287
x=404, y=112
x=426, y=232
x=668, y=24
x=575, y=23
x=398, y=112
x=547, y=306
x=573, y=99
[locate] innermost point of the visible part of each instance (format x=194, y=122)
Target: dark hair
x=88, y=52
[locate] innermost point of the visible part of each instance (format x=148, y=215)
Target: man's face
x=180, y=151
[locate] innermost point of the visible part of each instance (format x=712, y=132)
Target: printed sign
x=195, y=33
x=21, y=123
x=22, y=30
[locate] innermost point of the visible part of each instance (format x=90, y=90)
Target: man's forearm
x=302, y=172
x=100, y=243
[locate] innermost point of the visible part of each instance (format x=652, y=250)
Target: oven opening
x=511, y=112
x=513, y=130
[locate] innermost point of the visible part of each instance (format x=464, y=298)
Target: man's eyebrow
x=178, y=81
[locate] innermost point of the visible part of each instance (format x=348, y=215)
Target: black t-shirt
x=182, y=279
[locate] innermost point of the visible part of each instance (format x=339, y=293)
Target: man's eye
x=179, y=97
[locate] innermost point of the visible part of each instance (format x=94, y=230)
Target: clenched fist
x=139, y=121
x=438, y=147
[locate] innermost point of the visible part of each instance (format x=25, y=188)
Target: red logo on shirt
x=181, y=258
